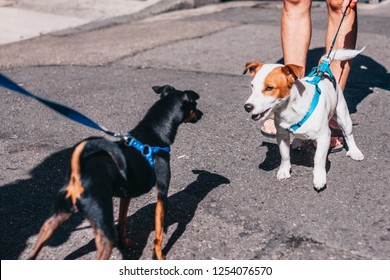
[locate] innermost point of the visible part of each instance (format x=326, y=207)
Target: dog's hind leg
x=98, y=210
x=344, y=120
x=47, y=231
x=103, y=245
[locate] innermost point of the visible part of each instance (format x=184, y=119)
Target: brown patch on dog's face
x=193, y=116
x=279, y=81
x=253, y=67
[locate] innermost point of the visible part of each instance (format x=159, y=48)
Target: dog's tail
x=84, y=149
x=343, y=54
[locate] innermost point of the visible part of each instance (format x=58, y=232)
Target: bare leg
x=296, y=31
x=295, y=35
x=345, y=39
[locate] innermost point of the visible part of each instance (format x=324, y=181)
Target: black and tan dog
x=100, y=170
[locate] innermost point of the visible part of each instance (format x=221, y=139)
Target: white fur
x=291, y=109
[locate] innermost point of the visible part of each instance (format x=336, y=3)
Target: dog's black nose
x=248, y=107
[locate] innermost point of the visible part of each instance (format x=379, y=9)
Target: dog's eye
x=269, y=88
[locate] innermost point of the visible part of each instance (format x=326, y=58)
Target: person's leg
x=296, y=35
x=296, y=31
x=346, y=38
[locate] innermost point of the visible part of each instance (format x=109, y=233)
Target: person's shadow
x=181, y=210
x=365, y=75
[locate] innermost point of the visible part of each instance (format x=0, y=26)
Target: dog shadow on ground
x=365, y=75
x=25, y=204
x=181, y=210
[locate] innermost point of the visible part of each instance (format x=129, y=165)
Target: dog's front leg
x=319, y=171
x=283, y=139
x=163, y=177
x=159, y=226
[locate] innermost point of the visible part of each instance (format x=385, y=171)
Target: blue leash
x=59, y=108
x=146, y=150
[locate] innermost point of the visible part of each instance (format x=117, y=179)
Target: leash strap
x=59, y=108
x=350, y=5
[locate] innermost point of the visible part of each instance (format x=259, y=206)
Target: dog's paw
x=355, y=154
x=158, y=255
x=284, y=173
x=319, y=180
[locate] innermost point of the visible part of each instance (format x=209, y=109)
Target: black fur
x=110, y=169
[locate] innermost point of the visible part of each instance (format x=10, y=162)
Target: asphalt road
x=225, y=200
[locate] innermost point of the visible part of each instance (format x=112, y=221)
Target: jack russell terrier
x=303, y=107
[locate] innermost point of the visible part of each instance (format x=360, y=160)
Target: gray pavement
x=225, y=200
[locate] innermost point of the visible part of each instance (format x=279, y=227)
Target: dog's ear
x=296, y=71
x=252, y=67
x=163, y=90
x=191, y=95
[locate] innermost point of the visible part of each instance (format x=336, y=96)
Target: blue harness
x=318, y=73
x=146, y=150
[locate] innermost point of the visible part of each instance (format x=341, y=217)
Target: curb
x=158, y=8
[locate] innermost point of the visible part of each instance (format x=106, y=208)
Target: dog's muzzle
x=248, y=107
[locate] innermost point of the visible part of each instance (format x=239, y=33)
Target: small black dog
x=100, y=170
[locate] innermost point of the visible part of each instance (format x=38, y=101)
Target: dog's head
x=271, y=85
x=183, y=103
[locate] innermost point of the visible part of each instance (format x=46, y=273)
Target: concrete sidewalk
x=24, y=19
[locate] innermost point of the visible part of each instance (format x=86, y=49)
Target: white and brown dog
x=281, y=90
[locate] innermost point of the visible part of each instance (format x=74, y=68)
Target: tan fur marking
x=159, y=229
x=75, y=188
x=191, y=116
x=253, y=67
x=277, y=84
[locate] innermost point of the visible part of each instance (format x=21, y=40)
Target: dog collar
x=146, y=150
x=318, y=73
